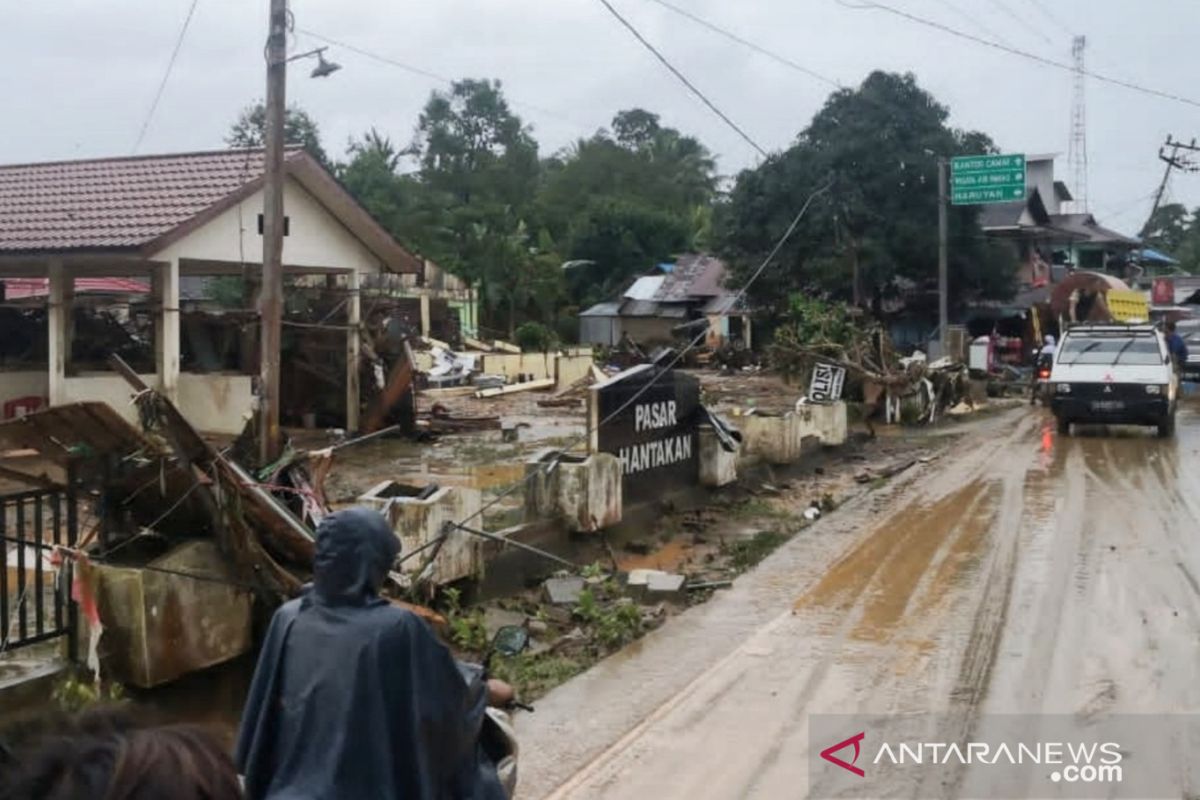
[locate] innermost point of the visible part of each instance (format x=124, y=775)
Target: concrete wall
x=24, y=384
x=718, y=466
x=574, y=366
x=315, y=238
x=565, y=369
x=159, y=626
x=649, y=330
x=419, y=522
x=782, y=439
x=585, y=493
x=106, y=387
x=216, y=403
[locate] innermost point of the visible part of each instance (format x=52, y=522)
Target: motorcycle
x=1041, y=378
x=497, y=737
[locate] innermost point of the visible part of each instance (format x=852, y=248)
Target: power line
x=787, y=234
x=433, y=76
x=974, y=20
x=787, y=62
x=166, y=75
x=683, y=79
x=1049, y=62
x=1024, y=23
x=1040, y=6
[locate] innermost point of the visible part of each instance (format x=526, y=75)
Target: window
x=287, y=226
x=1125, y=350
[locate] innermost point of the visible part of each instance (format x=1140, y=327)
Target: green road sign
x=987, y=179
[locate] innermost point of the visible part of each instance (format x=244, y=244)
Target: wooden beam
x=513, y=388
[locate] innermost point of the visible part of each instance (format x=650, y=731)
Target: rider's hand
x=500, y=694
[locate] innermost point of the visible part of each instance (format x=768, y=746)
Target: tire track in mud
x=887, y=614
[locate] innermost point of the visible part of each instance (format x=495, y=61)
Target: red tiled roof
x=20, y=288
x=115, y=203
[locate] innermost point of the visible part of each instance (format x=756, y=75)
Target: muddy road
x=1022, y=572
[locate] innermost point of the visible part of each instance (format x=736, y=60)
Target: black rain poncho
x=355, y=698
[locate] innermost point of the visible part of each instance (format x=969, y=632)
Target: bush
x=535, y=337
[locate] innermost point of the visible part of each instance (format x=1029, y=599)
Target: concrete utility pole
x=271, y=298
x=943, y=257
x=1173, y=161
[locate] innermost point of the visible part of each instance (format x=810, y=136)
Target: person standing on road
x=1176, y=347
x=354, y=697
x=1044, y=360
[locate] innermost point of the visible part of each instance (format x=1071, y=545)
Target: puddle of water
x=669, y=558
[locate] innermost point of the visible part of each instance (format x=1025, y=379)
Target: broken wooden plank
x=399, y=385
x=476, y=344
x=449, y=391
x=598, y=374
x=513, y=388
x=502, y=346
x=429, y=340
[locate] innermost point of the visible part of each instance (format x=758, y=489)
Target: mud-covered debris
x=563, y=591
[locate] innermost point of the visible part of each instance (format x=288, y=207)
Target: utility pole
x=943, y=256
x=271, y=297
x=1173, y=161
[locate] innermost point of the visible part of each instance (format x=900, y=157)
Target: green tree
x=479, y=169
x=1168, y=228
x=299, y=128
x=877, y=148
x=626, y=199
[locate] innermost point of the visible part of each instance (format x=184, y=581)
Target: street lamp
x=271, y=297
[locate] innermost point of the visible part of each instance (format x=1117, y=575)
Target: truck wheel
x=1166, y=428
x=1064, y=426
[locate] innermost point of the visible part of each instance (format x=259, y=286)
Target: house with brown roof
x=677, y=300
x=160, y=219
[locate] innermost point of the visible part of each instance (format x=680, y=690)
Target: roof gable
x=141, y=204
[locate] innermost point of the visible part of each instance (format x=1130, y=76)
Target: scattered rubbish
x=513, y=388
x=653, y=585
x=563, y=591
x=812, y=513
x=702, y=585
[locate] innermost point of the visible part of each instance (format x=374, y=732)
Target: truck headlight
x=1062, y=388
x=1155, y=388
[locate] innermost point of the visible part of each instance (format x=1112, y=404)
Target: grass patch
x=757, y=507
x=745, y=553
x=534, y=674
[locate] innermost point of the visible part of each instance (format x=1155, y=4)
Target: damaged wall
x=216, y=403
x=24, y=384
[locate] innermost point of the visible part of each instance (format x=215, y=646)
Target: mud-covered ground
x=1020, y=573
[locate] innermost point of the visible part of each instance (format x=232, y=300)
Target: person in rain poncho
x=354, y=697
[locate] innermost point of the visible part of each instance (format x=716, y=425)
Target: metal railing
x=35, y=603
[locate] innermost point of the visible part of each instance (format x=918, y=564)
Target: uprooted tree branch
x=820, y=331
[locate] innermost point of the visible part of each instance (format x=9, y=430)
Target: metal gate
x=35, y=602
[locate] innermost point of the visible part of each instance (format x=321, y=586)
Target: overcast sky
x=81, y=74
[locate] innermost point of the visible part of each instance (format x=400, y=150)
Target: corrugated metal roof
x=645, y=288
x=695, y=275
x=602, y=310
x=639, y=308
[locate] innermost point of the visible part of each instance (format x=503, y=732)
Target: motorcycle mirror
x=510, y=640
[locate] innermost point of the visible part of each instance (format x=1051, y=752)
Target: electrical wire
x=1024, y=23
x=1040, y=6
x=683, y=78
x=787, y=62
x=1049, y=62
x=586, y=435
x=974, y=21
x=187, y=21
x=433, y=76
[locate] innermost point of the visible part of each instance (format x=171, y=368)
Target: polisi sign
x=654, y=436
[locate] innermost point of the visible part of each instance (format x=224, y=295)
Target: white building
x=159, y=218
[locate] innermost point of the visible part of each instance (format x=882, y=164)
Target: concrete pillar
x=166, y=328
x=354, y=320
x=57, y=318
x=425, y=325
